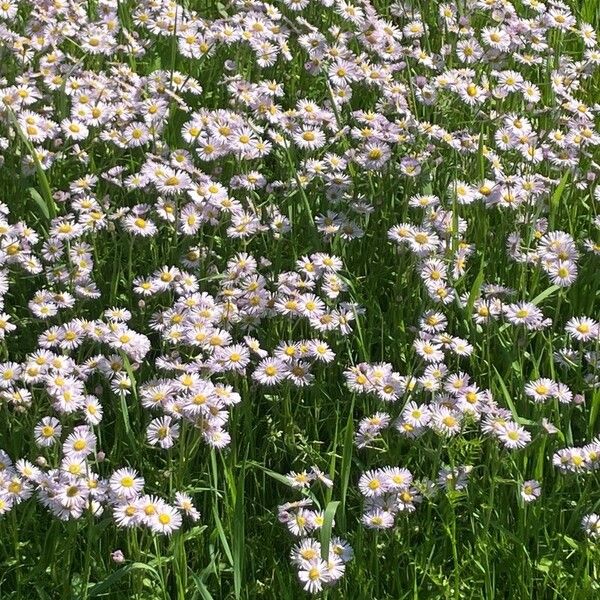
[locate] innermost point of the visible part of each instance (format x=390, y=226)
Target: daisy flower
x=530, y=490
x=591, y=526
x=372, y=484
x=313, y=574
x=186, y=506
x=378, y=519
x=540, y=389
x=47, y=431
x=126, y=483
x=162, y=432
x=80, y=443
x=397, y=478
x=270, y=371
x=582, y=328
x=445, y=420
x=514, y=436
x=309, y=138
x=165, y=520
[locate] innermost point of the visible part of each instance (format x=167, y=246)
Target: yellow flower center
x=449, y=421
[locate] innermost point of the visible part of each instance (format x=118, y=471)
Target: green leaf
x=125, y=413
x=103, y=587
x=569, y=540
x=277, y=476
x=327, y=527
x=509, y=401
x=40, y=202
x=48, y=200
x=202, y=589
x=347, y=457
x=215, y=511
x=594, y=412
x=475, y=289
x=239, y=534
x=130, y=374
x=545, y=294
x=194, y=532
x=558, y=192
x=556, y=196
x=544, y=565
x=222, y=10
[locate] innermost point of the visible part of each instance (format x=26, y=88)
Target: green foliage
x=479, y=543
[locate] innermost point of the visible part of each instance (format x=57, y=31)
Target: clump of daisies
x=316, y=567
x=439, y=400
x=202, y=310
x=584, y=459
x=387, y=492
x=75, y=488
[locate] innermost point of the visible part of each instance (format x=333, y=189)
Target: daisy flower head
x=562, y=273
x=591, y=526
x=172, y=181
x=378, y=519
x=530, y=490
x=127, y=514
x=373, y=483
x=80, y=442
x=423, y=242
x=416, y=415
x=540, y=389
x=454, y=479
x=309, y=138
x=428, y=350
x=299, y=523
x=496, y=38
x=582, y=329
x=270, y=371
x=369, y=427
x=321, y=476
x=306, y=550
x=397, y=478
x=514, y=436
x=126, y=483
x=165, y=520
x=302, y=479
x=433, y=321
x=341, y=548
x=524, y=313
x=445, y=421
x=406, y=499
x=47, y=431
x=162, y=432
x=314, y=574
x=186, y=506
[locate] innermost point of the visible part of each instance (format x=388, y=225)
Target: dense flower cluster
x=391, y=491
x=456, y=402
x=73, y=488
x=578, y=460
x=211, y=186
x=315, y=569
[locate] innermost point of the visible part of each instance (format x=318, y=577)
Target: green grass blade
x=327, y=528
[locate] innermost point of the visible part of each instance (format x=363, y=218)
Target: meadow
x=299, y=298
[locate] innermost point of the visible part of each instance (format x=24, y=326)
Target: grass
x=481, y=542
